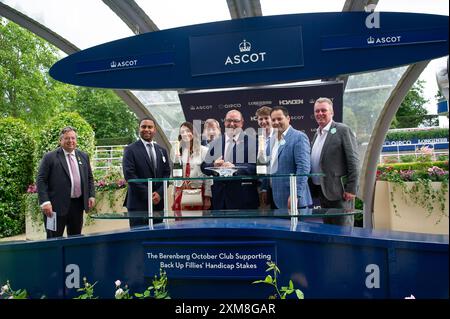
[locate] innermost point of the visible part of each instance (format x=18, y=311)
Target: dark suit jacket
x=339, y=162
x=53, y=180
x=136, y=165
x=234, y=194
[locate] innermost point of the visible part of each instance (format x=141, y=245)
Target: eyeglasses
x=232, y=120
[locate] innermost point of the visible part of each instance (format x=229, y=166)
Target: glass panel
x=85, y=23
x=166, y=108
x=303, y=214
x=174, y=13
x=222, y=177
x=274, y=7
x=364, y=98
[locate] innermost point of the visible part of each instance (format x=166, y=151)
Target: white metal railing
x=108, y=157
x=416, y=153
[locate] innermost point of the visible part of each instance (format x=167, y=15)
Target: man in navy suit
x=65, y=185
x=141, y=160
x=233, y=149
x=290, y=154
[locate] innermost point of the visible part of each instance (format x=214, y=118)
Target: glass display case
x=167, y=215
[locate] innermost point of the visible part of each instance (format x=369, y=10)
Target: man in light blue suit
x=290, y=154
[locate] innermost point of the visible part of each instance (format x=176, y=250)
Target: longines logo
x=244, y=47
x=260, y=103
x=383, y=40
x=290, y=102
x=121, y=64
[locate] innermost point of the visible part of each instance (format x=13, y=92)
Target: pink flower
x=121, y=183
x=32, y=188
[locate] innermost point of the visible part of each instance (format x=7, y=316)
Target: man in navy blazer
x=233, y=149
x=65, y=185
x=289, y=155
x=335, y=154
x=141, y=160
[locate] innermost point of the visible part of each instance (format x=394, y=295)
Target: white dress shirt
x=317, y=151
x=153, y=151
x=228, y=143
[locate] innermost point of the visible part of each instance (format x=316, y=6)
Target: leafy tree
x=26, y=89
x=49, y=135
x=28, y=92
x=106, y=113
x=16, y=167
x=412, y=112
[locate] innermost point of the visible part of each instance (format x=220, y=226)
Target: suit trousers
x=316, y=191
x=73, y=220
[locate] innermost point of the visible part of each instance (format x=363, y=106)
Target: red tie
x=75, y=176
x=188, y=168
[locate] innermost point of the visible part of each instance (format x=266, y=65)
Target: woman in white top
x=192, y=156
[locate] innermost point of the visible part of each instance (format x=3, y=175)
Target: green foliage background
x=412, y=112
x=16, y=173
x=49, y=135
x=28, y=92
x=406, y=135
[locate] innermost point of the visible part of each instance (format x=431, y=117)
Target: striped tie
x=75, y=177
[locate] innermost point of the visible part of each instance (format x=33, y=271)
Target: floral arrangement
x=110, y=179
x=157, y=290
x=390, y=174
x=420, y=191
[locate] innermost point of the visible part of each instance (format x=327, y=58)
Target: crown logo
x=370, y=40
x=245, y=46
x=113, y=64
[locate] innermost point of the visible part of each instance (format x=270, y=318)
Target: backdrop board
x=299, y=100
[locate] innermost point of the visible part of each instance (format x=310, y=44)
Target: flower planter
x=106, y=202
x=406, y=215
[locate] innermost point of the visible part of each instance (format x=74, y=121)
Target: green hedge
x=407, y=135
x=114, y=141
x=415, y=165
x=16, y=173
x=49, y=135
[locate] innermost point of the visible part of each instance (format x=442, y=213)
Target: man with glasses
x=65, y=185
x=234, y=149
x=141, y=160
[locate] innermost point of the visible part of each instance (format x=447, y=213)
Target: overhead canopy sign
x=259, y=50
x=246, y=51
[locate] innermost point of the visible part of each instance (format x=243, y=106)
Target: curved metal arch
x=67, y=47
x=133, y=15
x=369, y=167
x=240, y=9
